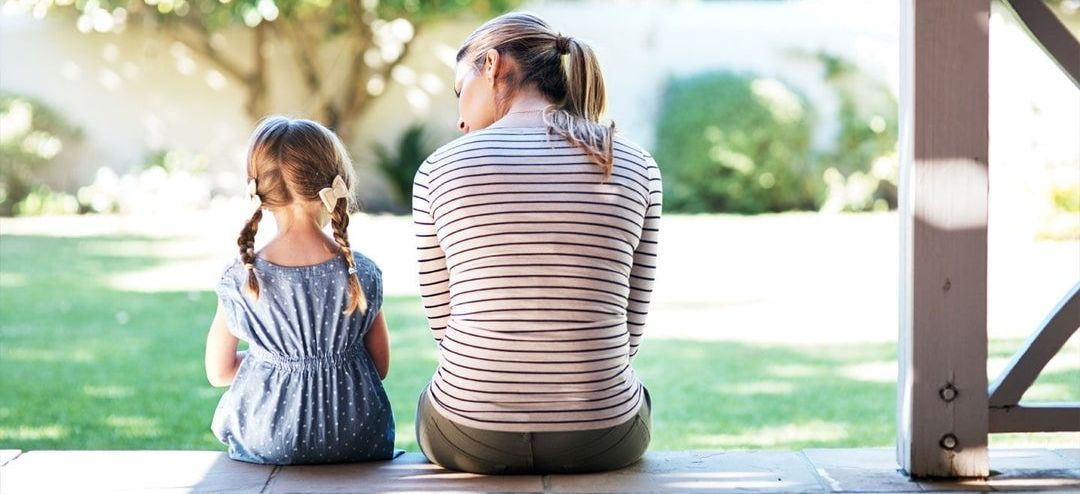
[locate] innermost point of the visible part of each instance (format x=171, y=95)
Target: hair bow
x=253, y=196
x=331, y=195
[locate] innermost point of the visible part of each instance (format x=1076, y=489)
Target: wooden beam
x=1036, y=417
x=1050, y=34
x=1037, y=351
x=941, y=394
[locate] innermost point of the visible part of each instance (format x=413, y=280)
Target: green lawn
x=88, y=366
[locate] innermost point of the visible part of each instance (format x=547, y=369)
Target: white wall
x=124, y=91
x=134, y=92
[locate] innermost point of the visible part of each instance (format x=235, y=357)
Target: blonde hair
x=564, y=69
x=293, y=159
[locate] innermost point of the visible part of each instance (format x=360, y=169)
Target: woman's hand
x=377, y=341
x=222, y=359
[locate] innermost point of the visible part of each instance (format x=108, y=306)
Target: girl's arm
x=377, y=341
x=222, y=359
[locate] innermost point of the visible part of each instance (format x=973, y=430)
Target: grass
x=89, y=366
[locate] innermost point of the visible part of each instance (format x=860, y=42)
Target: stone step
x=812, y=470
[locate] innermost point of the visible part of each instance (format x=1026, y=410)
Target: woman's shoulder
x=628, y=148
x=442, y=152
x=483, y=138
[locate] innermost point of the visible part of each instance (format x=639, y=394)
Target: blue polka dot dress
x=308, y=391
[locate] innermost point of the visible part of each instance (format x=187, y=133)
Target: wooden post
x=942, y=408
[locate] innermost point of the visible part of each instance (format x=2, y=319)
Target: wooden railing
x=945, y=407
x=1007, y=412
x=1051, y=35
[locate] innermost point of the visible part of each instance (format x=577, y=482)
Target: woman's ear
x=491, y=66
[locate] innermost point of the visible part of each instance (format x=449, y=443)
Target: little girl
x=309, y=388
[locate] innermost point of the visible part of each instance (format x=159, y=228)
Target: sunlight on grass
x=108, y=391
x=757, y=388
x=29, y=433
x=92, y=362
x=1067, y=360
x=42, y=355
x=880, y=372
x=773, y=437
x=11, y=280
x=132, y=426
x=794, y=370
x=129, y=248
x=208, y=392
x=174, y=277
x=1001, y=352
x=1055, y=440
x=1050, y=392
x=190, y=266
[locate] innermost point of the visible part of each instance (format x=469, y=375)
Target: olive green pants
x=457, y=447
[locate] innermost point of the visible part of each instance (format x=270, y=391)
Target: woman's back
x=536, y=274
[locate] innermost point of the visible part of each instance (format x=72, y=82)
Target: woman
x=537, y=244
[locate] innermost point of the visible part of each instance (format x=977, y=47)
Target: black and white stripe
x=536, y=276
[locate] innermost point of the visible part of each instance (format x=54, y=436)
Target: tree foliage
x=371, y=38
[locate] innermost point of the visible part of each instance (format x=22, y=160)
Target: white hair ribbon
x=253, y=196
x=331, y=195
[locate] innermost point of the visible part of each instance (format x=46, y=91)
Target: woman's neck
x=525, y=110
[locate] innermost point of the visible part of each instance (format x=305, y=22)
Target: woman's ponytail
x=564, y=69
x=585, y=95
x=578, y=117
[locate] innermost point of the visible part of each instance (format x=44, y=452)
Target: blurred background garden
x=123, y=126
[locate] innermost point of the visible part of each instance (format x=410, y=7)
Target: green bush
x=42, y=201
x=399, y=164
x=736, y=143
x=860, y=169
x=31, y=135
x=1066, y=197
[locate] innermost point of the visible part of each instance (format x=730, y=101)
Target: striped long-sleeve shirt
x=536, y=275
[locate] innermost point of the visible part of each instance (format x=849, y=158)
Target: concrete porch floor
x=811, y=470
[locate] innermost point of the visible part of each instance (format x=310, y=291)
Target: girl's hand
x=222, y=359
x=377, y=341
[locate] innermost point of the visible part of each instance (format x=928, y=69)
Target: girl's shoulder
x=232, y=268
x=236, y=266
x=370, y=277
x=233, y=276
x=364, y=262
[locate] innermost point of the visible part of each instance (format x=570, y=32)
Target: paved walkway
x=811, y=470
